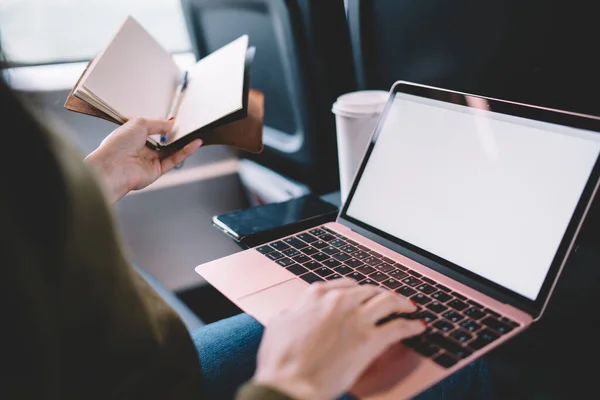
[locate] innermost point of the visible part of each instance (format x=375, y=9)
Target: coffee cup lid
x=361, y=102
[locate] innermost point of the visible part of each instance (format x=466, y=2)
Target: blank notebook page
x=134, y=75
x=215, y=88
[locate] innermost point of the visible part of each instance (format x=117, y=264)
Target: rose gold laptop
x=469, y=206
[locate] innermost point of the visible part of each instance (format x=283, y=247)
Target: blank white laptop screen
x=489, y=192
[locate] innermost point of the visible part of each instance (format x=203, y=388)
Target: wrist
x=111, y=179
x=293, y=386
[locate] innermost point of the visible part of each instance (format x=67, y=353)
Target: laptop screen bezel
x=454, y=271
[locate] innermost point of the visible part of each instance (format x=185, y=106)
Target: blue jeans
x=227, y=350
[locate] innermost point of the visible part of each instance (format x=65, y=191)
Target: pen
x=176, y=101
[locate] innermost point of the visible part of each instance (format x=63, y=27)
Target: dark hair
x=33, y=188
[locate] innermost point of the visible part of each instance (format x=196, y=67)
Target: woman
x=78, y=322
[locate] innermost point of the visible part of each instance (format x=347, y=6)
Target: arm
x=123, y=162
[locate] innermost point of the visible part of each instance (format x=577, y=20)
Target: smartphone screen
x=272, y=216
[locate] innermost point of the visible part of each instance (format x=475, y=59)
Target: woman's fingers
x=383, y=305
x=153, y=126
x=178, y=157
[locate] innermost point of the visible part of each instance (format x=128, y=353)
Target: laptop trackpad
x=271, y=301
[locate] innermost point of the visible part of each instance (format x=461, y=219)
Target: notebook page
x=215, y=88
x=134, y=74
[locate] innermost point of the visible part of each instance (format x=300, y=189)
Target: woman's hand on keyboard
x=319, y=348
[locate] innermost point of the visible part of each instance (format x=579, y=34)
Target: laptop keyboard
x=457, y=325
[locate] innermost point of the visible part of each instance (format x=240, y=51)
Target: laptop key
x=319, y=244
x=307, y=237
x=475, y=313
x=361, y=255
x=320, y=256
x=453, y=316
x=492, y=312
x=460, y=296
x=470, y=325
x=496, y=325
x=343, y=270
x=285, y=262
x=414, y=273
x=425, y=316
x=274, y=255
x=352, y=242
x=309, y=251
x=405, y=291
x=401, y=267
x=445, y=360
x=444, y=326
x=411, y=281
x=349, y=249
x=356, y=276
x=317, y=232
x=391, y=283
x=397, y=274
x=378, y=276
x=428, y=280
x=375, y=254
x=330, y=250
x=385, y=267
x=301, y=258
x=294, y=242
x=449, y=345
x=331, y=263
x=442, y=297
x=354, y=263
x=509, y=322
x=323, y=271
x=328, y=230
x=474, y=303
x=484, y=338
x=425, y=288
x=363, y=248
x=458, y=305
x=365, y=270
x=372, y=261
x=264, y=249
x=461, y=336
x=327, y=237
x=297, y=269
x=333, y=277
x=444, y=288
x=291, y=252
x=437, y=307
x=387, y=260
x=342, y=256
x=337, y=243
x=312, y=264
x=280, y=246
x=311, y=278
x=420, y=298
x=426, y=349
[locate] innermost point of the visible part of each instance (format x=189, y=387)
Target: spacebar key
x=450, y=346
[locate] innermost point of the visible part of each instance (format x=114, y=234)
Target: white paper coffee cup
x=356, y=116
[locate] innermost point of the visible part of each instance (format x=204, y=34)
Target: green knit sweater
x=88, y=326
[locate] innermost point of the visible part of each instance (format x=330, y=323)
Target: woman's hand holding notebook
x=135, y=77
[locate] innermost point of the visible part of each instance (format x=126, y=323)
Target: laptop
x=467, y=205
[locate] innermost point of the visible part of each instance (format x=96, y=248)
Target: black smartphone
x=257, y=225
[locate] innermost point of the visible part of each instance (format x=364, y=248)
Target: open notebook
x=135, y=77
